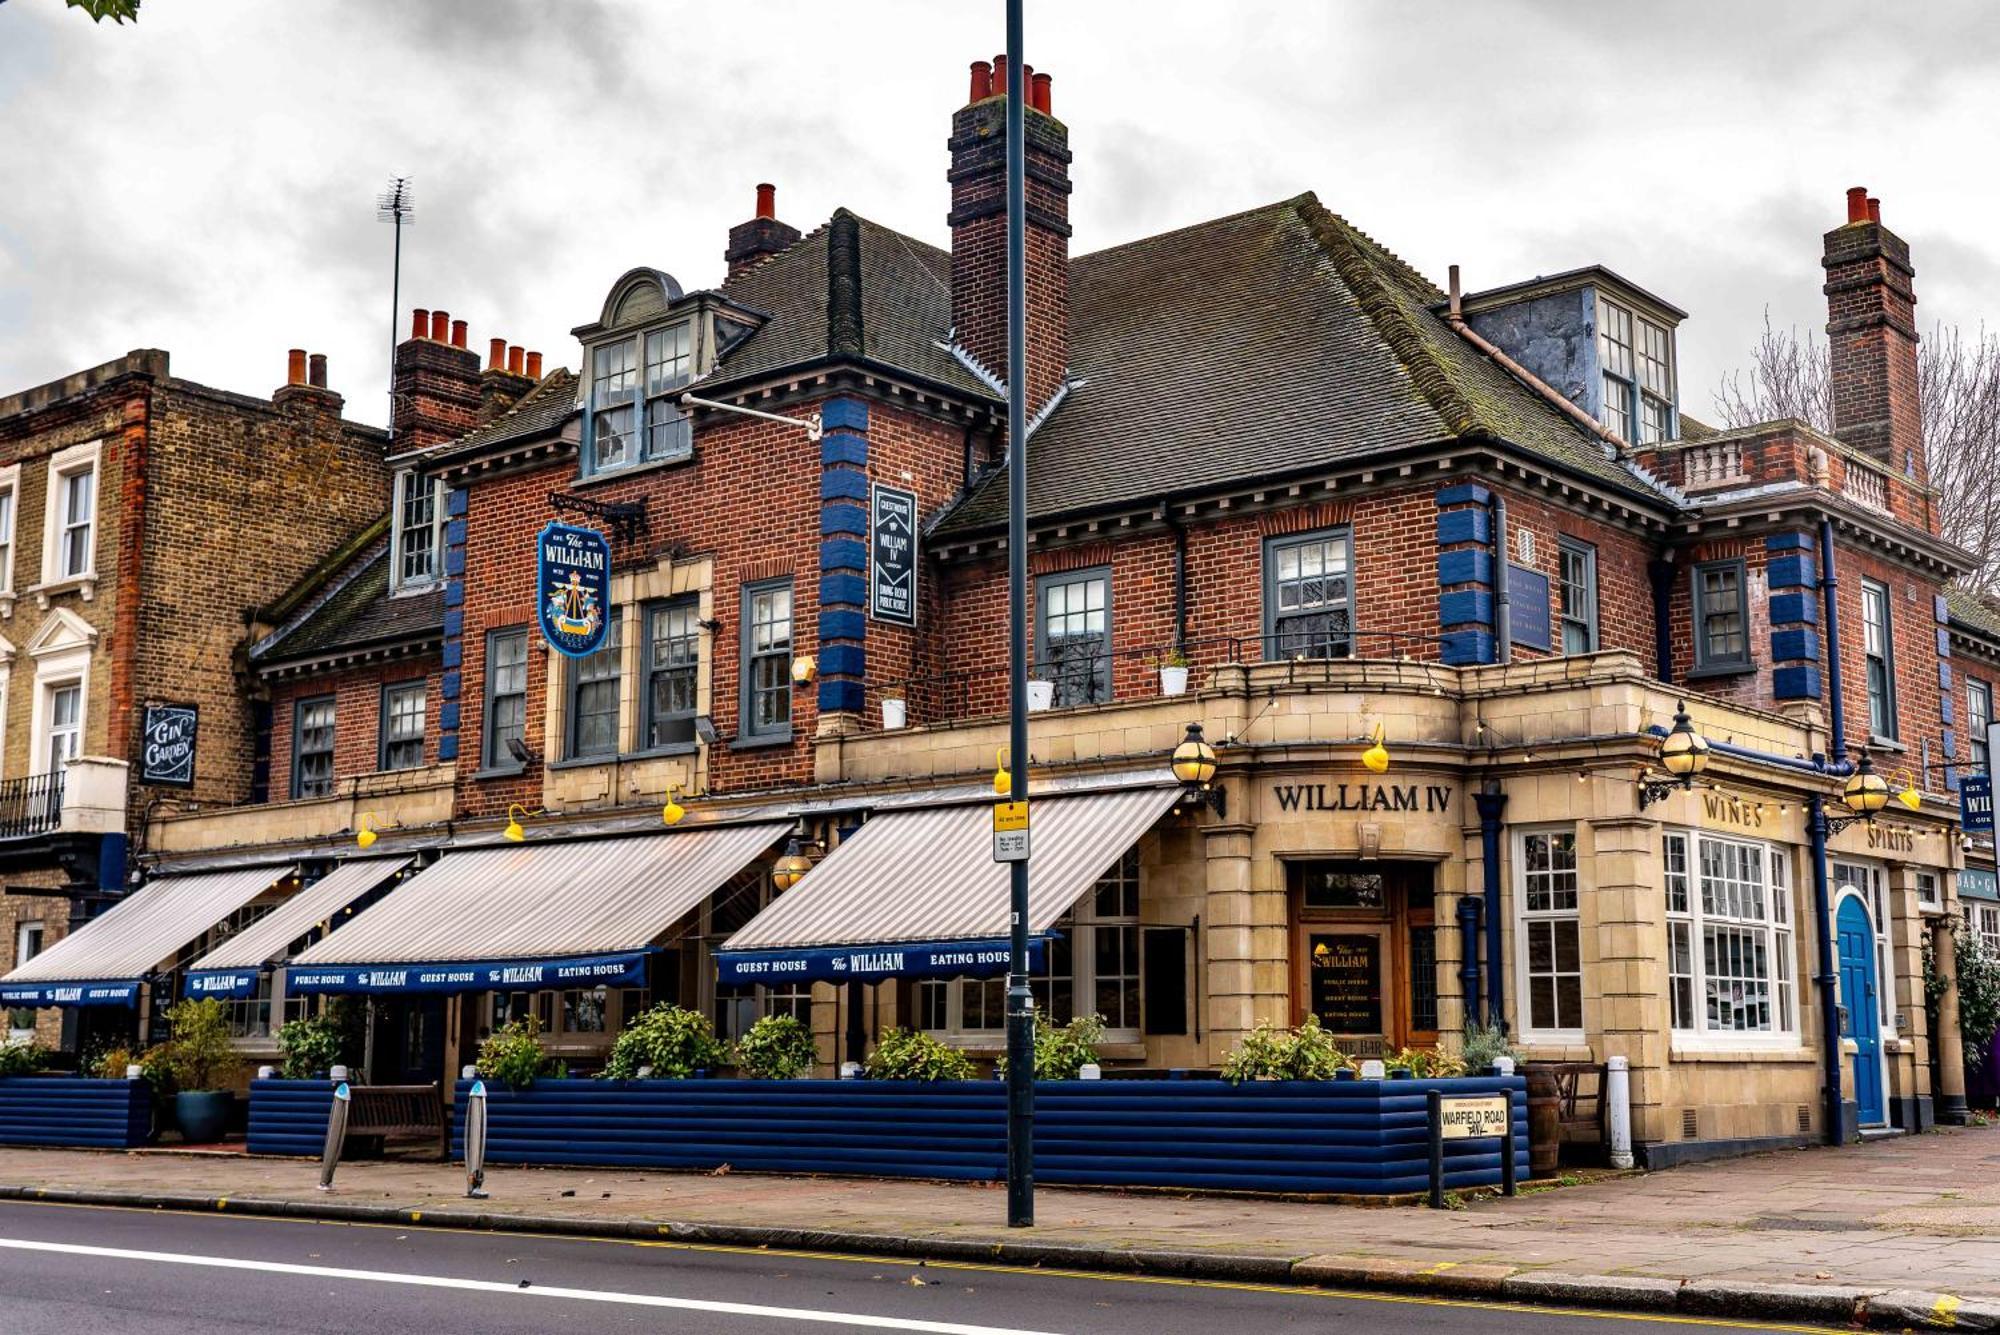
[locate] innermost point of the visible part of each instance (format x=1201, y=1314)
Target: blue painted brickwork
x=1788, y=609
x=1788, y=542
x=1466, y=646
x=1792, y=645
x=1943, y=643
x=1796, y=683
x=1944, y=678
x=1464, y=526
x=1465, y=567
x=1465, y=493
x=1466, y=607
x=452, y=656
x=1791, y=572
x=843, y=560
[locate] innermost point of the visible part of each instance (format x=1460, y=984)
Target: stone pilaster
x=1625, y=992
x=1950, y=1040
x=1246, y=950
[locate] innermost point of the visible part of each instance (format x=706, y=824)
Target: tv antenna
x=396, y=204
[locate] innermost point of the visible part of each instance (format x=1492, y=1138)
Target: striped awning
x=925, y=880
x=232, y=968
x=103, y=961
x=578, y=900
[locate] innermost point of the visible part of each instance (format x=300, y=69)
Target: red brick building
x=1262, y=448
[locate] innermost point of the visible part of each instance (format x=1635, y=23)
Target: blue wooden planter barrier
x=1357, y=1136
x=289, y=1116
x=68, y=1110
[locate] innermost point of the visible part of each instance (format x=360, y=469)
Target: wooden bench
x=1580, y=1100
x=407, y=1112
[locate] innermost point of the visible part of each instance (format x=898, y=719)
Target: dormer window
x=418, y=541
x=1638, y=361
x=635, y=387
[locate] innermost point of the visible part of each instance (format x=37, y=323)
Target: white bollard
x=134, y=1071
x=1090, y=1071
x=338, y=1074
x=1618, y=1109
x=263, y=1072
x=850, y=1070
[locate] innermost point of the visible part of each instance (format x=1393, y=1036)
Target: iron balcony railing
x=1087, y=675
x=31, y=806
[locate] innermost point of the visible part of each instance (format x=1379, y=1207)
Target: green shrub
x=1425, y=1063
x=905, y=1054
x=777, y=1047
x=1483, y=1045
x=1305, y=1053
x=1978, y=996
x=200, y=1054
x=1062, y=1051
x=23, y=1059
x=674, y=1041
x=513, y=1055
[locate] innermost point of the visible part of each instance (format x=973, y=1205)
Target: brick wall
x=357, y=725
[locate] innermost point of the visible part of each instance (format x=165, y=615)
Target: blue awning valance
x=866, y=964
x=533, y=975
x=227, y=984
x=103, y=992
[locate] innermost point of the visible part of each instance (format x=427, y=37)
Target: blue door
x=1864, y=1016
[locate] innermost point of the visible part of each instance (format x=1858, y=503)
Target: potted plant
x=895, y=712
x=513, y=1055
x=1041, y=696
x=669, y=1042
x=1267, y=1053
x=203, y=1063
x=1173, y=665
x=906, y=1054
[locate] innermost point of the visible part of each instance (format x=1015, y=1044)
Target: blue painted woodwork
x=1857, y=997
x=66, y=1110
x=1355, y=1136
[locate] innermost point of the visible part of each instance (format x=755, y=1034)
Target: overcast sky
x=204, y=181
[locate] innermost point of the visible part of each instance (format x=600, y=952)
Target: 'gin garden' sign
x=572, y=587
x=167, y=745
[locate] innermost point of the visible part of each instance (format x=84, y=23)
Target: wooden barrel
x=1544, y=1121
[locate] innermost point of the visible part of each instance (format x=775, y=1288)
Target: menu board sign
x=1346, y=973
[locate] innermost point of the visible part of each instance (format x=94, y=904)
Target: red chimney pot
x=440, y=327
x=767, y=200
x=534, y=366
x=458, y=333
x=999, y=76
x=316, y=373
x=420, y=322
x=295, y=367
x=1857, y=203
x=514, y=358
x=982, y=81
x=1027, y=84
x=1040, y=100
x=496, y=353
x=1874, y=209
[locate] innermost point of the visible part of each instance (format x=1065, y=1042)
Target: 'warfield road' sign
x=572, y=588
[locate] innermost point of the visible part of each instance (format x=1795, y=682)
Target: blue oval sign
x=573, y=588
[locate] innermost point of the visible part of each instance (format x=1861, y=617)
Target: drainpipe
x=1503, y=603
x=1825, y=978
x=1468, y=955
x=1662, y=572
x=1829, y=586
x=1491, y=802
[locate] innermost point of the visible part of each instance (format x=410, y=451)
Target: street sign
x=1975, y=803
x=1010, y=831
x=1472, y=1118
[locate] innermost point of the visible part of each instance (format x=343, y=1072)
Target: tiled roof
x=852, y=288
x=1977, y=612
x=356, y=612
x=544, y=408
x=1267, y=343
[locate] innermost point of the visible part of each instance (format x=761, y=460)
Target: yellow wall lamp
x=1194, y=764
x=365, y=837
x=516, y=813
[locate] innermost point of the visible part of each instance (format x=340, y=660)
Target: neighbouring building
x=141, y=517
x=639, y=644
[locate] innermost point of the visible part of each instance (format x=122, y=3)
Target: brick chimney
x=1871, y=334
x=305, y=388
x=978, y=221
x=437, y=392
x=753, y=242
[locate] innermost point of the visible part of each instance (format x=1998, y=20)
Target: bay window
x=1730, y=944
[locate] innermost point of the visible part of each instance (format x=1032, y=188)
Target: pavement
x=1901, y=1232
x=94, y=1271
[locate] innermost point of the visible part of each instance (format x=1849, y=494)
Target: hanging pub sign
x=167, y=745
x=572, y=587
x=1975, y=803
x=892, y=555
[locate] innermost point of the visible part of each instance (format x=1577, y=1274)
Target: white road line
x=514, y=1290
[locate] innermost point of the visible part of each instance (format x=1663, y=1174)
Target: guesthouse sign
x=892, y=556
x=167, y=745
x=572, y=588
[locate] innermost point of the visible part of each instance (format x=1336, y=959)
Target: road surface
x=67, y=1270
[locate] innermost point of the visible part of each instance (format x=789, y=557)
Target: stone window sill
x=741, y=742
x=1886, y=744
x=1721, y=671
x=631, y=470
x=84, y=586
